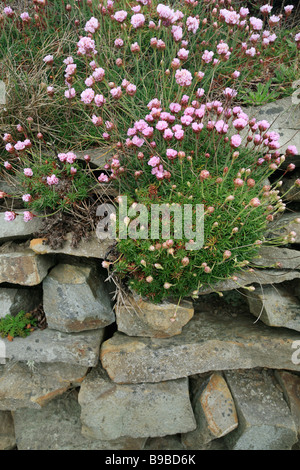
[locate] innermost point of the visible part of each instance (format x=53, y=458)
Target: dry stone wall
x=110, y=373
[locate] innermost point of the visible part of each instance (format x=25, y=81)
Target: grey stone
x=265, y=421
x=275, y=307
x=283, y=225
x=214, y=411
x=99, y=155
x=138, y=317
x=53, y=346
x=110, y=411
x=164, y=443
x=209, y=342
x=18, y=229
x=57, y=426
x=255, y=276
x=19, y=265
x=13, y=300
x=290, y=384
x=284, y=117
x=33, y=385
x=76, y=299
x=2, y=93
x=277, y=257
x=7, y=431
x=90, y=247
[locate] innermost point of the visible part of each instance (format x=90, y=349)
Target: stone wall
x=122, y=374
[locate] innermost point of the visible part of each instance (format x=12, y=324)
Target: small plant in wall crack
x=20, y=325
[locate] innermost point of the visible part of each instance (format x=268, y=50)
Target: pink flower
x=8, y=11
x=255, y=202
x=154, y=161
x=48, y=59
x=25, y=17
x=103, y=178
x=229, y=93
x=137, y=20
x=69, y=60
x=26, y=197
x=116, y=92
x=236, y=141
x=87, y=95
x=51, y=180
x=119, y=42
x=266, y=9
x=70, y=70
x=177, y=33
x=263, y=125
x=28, y=172
x=291, y=150
x=120, y=16
x=171, y=154
x=137, y=141
x=192, y=24
x=71, y=93
x=19, y=145
x=183, y=77
x=92, y=25
x=256, y=23
x=70, y=157
x=7, y=165
x=28, y=216
x=183, y=54
x=9, y=216
x=207, y=56
x=204, y=174
x=86, y=46
x=99, y=100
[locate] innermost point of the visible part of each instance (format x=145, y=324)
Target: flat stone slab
x=20, y=265
x=284, y=117
x=214, y=411
x=13, y=300
x=138, y=317
x=275, y=307
x=33, y=385
x=57, y=426
x=53, y=346
x=277, y=257
x=283, y=225
x=290, y=384
x=209, y=342
x=18, y=229
x=265, y=421
x=110, y=411
x=76, y=298
x=87, y=248
x=247, y=278
x=7, y=431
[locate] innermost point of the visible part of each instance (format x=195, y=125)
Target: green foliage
x=261, y=96
x=20, y=325
x=70, y=190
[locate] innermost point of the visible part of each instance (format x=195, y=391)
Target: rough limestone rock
x=275, y=306
x=19, y=265
x=257, y=276
x=33, y=385
x=53, y=346
x=110, y=411
x=138, y=317
x=57, y=426
x=277, y=257
x=76, y=299
x=283, y=225
x=214, y=411
x=90, y=247
x=7, y=432
x=265, y=421
x=284, y=117
x=290, y=384
x=13, y=300
x=164, y=443
x=18, y=229
x=209, y=342
x=288, y=190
